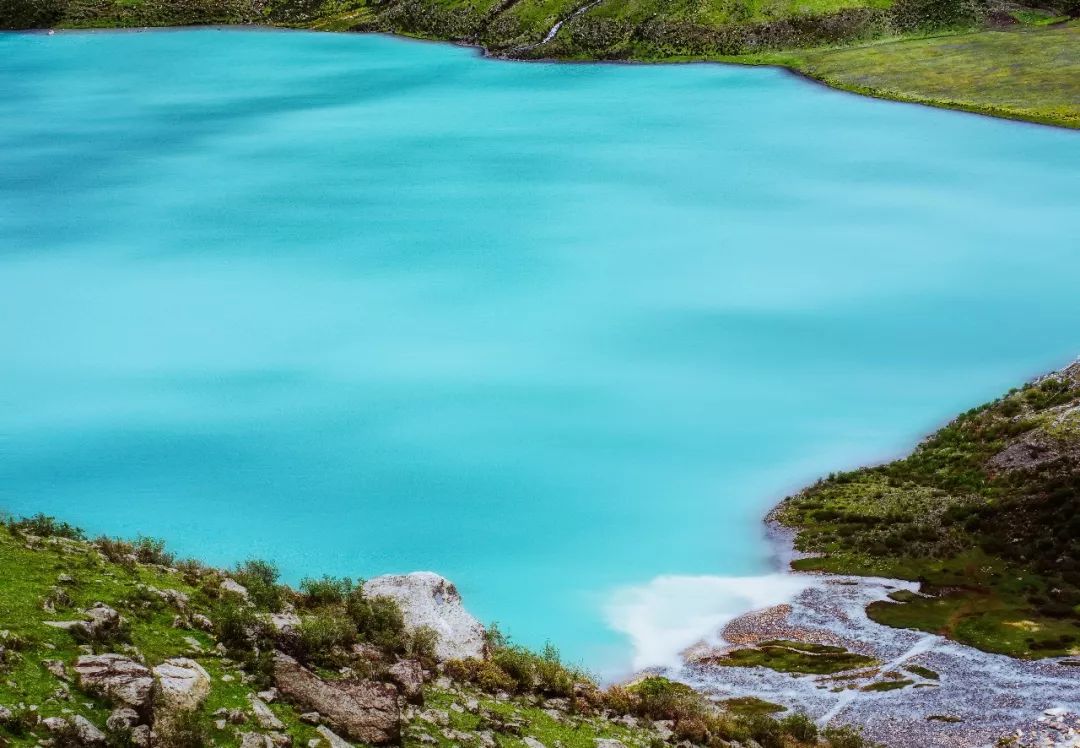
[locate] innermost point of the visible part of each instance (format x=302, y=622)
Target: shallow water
x=364, y=305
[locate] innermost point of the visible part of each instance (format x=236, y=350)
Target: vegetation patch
x=796, y=657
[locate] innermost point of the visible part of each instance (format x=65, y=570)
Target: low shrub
x=320, y=634
x=44, y=526
x=325, y=591
x=260, y=578
x=378, y=619
x=484, y=674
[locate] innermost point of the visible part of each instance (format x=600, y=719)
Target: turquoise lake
x=562, y=333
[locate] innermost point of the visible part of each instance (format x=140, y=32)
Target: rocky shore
x=919, y=690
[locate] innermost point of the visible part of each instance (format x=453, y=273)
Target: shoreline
x=790, y=67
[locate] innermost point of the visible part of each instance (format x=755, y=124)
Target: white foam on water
x=672, y=612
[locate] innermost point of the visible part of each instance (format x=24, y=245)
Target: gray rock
x=429, y=600
x=266, y=718
x=55, y=724
x=122, y=718
x=184, y=684
x=363, y=710
x=331, y=737
x=231, y=586
x=56, y=667
x=531, y=742
x=141, y=736
x=255, y=740
x=199, y=621
x=117, y=678
x=608, y=743
x=408, y=675
x=87, y=732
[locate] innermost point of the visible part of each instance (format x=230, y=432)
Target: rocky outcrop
x=362, y=710
x=408, y=676
x=117, y=678
x=101, y=624
x=184, y=684
x=427, y=599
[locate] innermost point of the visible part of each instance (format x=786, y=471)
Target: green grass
x=1022, y=73
x=796, y=657
x=751, y=705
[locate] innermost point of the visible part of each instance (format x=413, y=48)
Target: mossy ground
x=796, y=657
x=1028, y=72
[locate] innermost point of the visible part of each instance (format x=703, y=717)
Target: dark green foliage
x=235, y=624
x=41, y=524
x=800, y=727
x=322, y=634
x=378, y=619
x=261, y=580
x=325, y=591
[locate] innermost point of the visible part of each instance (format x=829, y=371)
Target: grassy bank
x=985, y=513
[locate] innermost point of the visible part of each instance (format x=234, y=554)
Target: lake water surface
x=562, y=333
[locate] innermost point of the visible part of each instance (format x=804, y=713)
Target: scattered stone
x=199, y=621
x=184, y=684
x=363, y=710
x=117, y=678
x=5, y=714
x=312, y=718
x=55, y=724
x=122, y=718
x=531, y=742
x=331, y=737
x=427, y=599
x=56, y=667
x=408, y=675
x=268, y=695
x=141, y=736
x=87, y=732
x=472, y=705
x=608, y=743
x=284, y=623
x=266, y=718
x=255, y=740
x=231, y=586
x=65, y=579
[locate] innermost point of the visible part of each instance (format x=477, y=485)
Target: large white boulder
x=184, y=684
x=427, y=599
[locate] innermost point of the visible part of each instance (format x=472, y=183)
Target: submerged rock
x=427, y=599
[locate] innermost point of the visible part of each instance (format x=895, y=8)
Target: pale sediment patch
x=672, y=613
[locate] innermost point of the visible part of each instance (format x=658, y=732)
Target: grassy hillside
x=344, y=638
x=985, y=514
